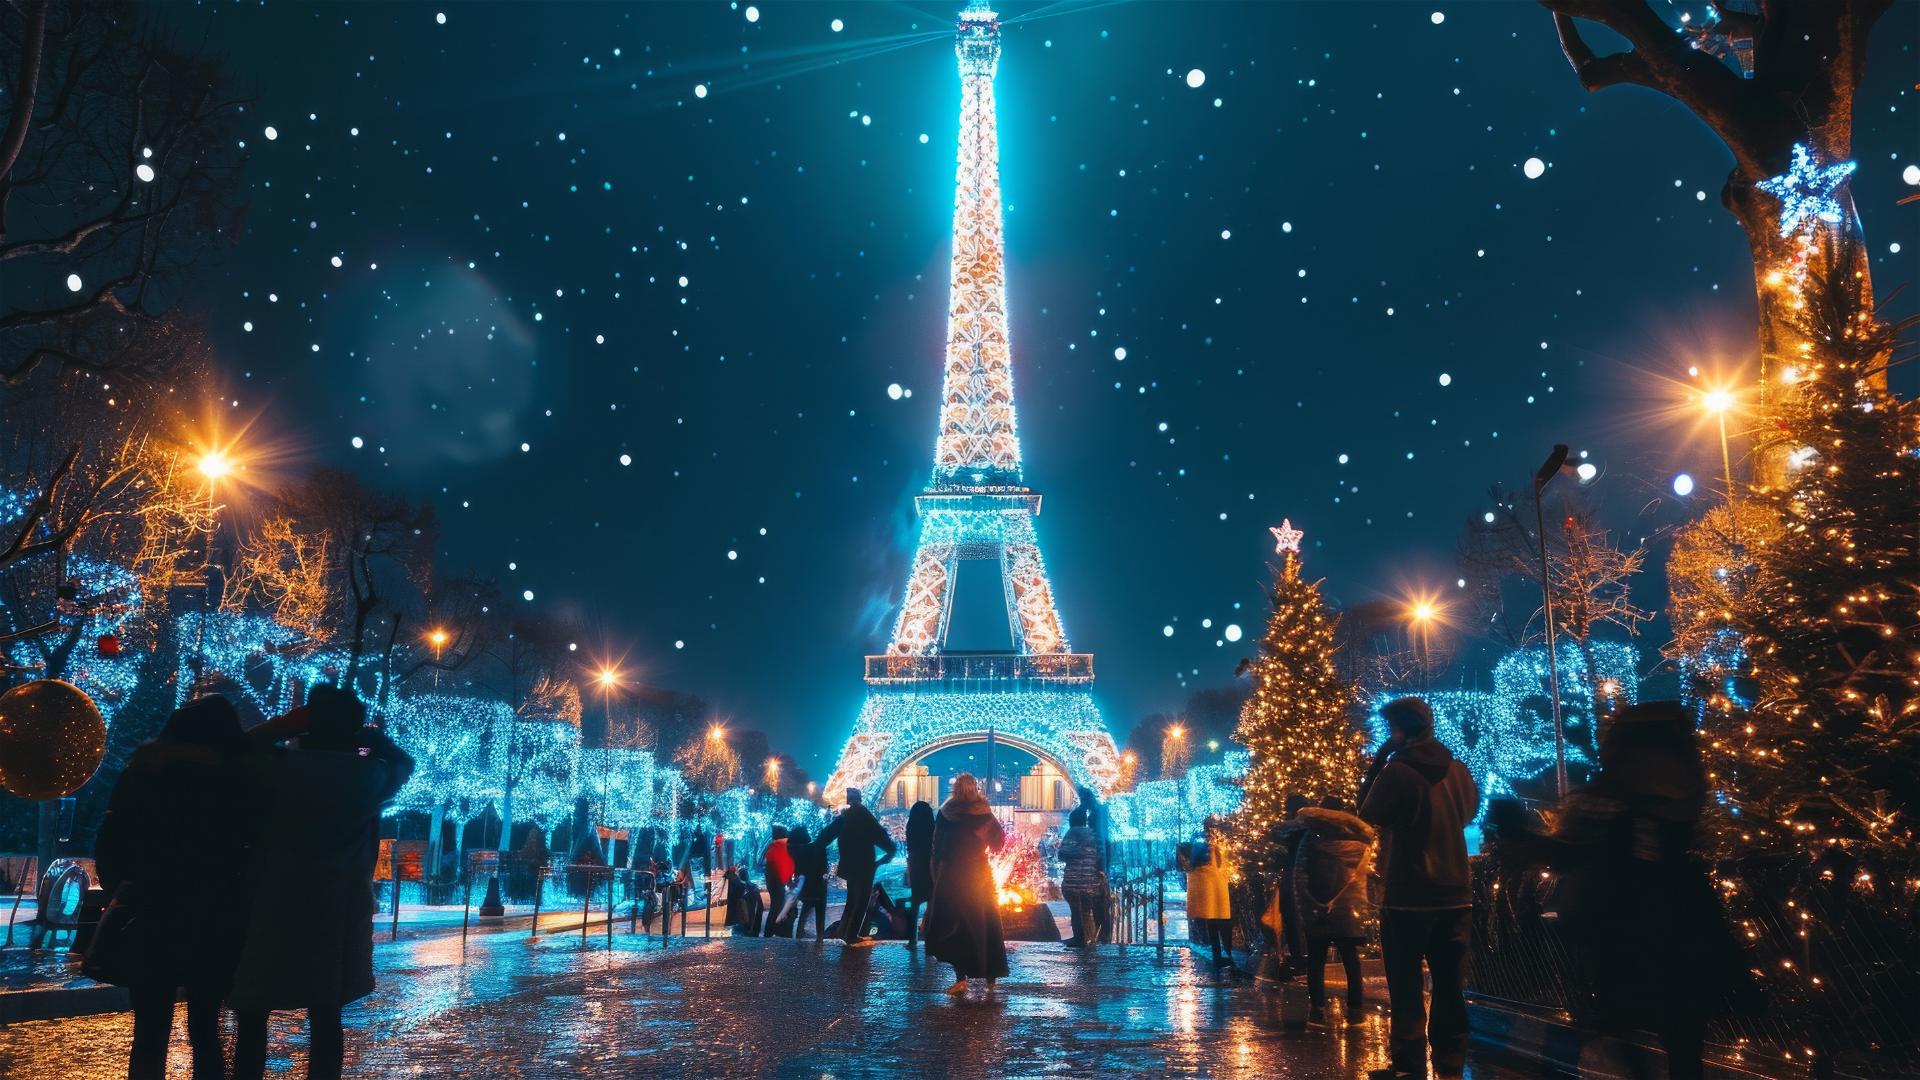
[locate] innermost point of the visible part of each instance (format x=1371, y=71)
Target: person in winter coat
x=1209, y=901
x=1080, y=878
x=1652, y=947
x=859, y=835
x=778, y=862
x=1099, y=821
x=963, y=917
x=1420, y=799
x=309, y=942
x=810, y=866
x=919, y=866
x=173, y=849
x=1285, y=844
x=1330, y=873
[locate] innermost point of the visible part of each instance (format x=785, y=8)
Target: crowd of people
x=276, y=829
x=1652, y=949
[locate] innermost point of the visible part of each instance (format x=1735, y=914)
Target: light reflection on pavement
x=501, y=1007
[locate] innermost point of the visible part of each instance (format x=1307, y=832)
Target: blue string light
x=1806, y=191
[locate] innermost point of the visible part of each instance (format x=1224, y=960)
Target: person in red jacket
x=1420, y=799
x=778, y=862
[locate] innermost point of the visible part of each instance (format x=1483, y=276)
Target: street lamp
x=215, y=465
x=438, y=639
x=1541, y=477
x=1421, y=612
x=1720, y=401
x=607, y=678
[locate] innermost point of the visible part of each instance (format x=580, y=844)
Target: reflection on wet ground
x=500, y=1006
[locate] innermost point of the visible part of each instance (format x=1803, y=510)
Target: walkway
x=502, y=1007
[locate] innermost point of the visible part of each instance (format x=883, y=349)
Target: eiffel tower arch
x=977, y=508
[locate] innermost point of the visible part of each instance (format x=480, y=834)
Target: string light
x=1295, y=723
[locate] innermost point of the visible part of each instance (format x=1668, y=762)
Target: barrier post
x=1160, y=908
x=586, y=901
x=539, y=892
x=466, y=915
x=396, y=894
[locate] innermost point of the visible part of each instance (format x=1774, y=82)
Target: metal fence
x=1849, y=1005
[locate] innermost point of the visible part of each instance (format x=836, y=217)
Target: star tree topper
x=1806, y=191
x=1286, y=538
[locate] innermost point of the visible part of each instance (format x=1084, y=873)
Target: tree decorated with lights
x=1777, y=85
x=1825, y=606
x=1297, y=721
x=1797, y=620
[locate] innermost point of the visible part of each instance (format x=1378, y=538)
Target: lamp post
x=1422, y=613
x=215, y=465
x=608, y=678
x=438, y=639
x=1541, y=478
x=1719, y=402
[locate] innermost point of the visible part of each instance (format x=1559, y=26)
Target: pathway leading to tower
x=769, y=1007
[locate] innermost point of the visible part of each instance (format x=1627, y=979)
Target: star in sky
x=1285, y=537
x=1806, y=191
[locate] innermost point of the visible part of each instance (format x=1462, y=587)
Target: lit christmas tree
x=1297, y=722
x=1819, y=596
x=1797, y=620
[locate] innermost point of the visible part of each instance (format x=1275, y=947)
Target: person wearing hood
x=1080, y=878
x=919, y=866
x=810, y=866
x=309, y=942
x=1209, y=898
x=172, y=851
x=1099, y=822
x=1330, y=894
x=1650, y=939
x=963, y=917
x=778, y=862
x=1420, y=799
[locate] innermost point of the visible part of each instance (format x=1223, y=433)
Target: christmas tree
x=1297, y=722
x=1797, y=619
x=1819, y=755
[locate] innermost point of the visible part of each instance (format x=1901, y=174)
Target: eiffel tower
x=977, y=507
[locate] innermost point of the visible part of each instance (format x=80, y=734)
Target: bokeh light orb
x=1683, y=485
x=51, y=739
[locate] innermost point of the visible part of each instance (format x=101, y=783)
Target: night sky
x=635, y=339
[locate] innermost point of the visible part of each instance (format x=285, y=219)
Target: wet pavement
x=503, y=1007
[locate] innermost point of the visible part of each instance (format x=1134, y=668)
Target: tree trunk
x=1596, y=701
x=436, y=823
x=506, y=821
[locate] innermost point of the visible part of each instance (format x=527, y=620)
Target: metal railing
x=961, y=667
x=1138, y=907
x=1860, y=1019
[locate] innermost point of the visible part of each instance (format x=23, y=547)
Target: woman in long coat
x=173, y=850
x=1330, y=895
x=310, y=939
x=919, y=866
x=963, y=918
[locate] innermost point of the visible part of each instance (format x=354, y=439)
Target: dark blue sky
x=1291, y=255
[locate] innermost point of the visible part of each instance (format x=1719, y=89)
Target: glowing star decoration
x=1286, y=538
x=1806, y=192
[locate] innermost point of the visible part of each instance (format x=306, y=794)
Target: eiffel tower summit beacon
x=1036, y=694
